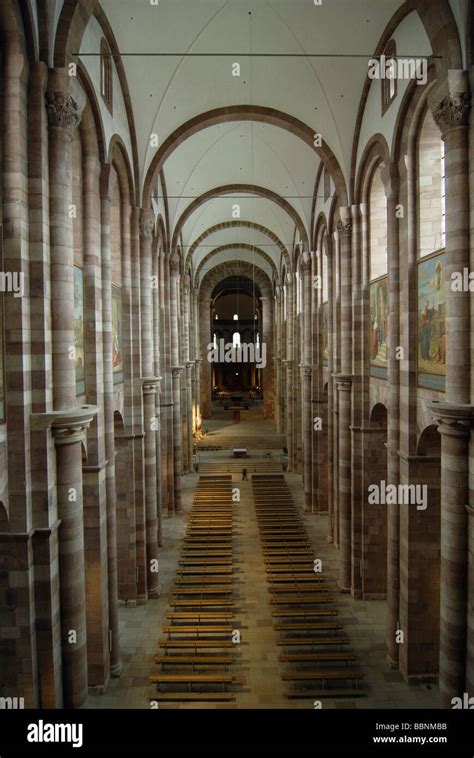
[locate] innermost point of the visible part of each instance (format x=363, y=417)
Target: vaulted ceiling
x=187, y=51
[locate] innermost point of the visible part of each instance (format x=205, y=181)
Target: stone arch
x=229, y=189
x=91, y=126
x=234, y=268
x=238, y=224
x=244, y=113
x=206, y=287
x=117, y=156
x=235, y=246
x=441, y=28
x=378, y=415
x=429, y=441
x=16, y=34
x=375, y=152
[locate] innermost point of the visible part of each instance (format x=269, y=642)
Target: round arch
x=229, y=189
x=238, y=224
x=235, y=246
x=244, y=113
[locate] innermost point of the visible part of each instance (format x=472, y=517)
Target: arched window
x=431, y=189
x=378, y=226
x=389, y=80
x=236, y=339
x=106, y=74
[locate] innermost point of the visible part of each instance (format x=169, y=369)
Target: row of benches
x=314, y=653
x=197, y=649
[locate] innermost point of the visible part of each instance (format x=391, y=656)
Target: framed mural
x=117, y=335
x=324, y=331
x=379, y=328
x=79, y=330
x=2, y=363
x=432, y=323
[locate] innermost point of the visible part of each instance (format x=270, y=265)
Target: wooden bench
x=201, y=697
x=275, y=577
x=205, y=571
x=317, y=657
x=310, y=626
x=203, y=590
x=196, y=644
x=310, y=641
x=305, y=614
x=325, y=693
x=320, y=675
x=197, y=616
x=298, y=589
x=190, y=679
x=307, y=600
x=194, y=660
x=214, y=580
x=205, y=562
x=197, y=630
x=176, y=602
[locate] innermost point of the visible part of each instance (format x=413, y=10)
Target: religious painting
x=117, y=335
x=324, y=333
x=379, y=328
x=79, y=330
x=432, y=323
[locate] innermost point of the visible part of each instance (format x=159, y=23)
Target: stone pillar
x=189, y=368
x=137, y=398
x=331, y=418
x=176, y=384
x=157, y=373
x=391, y=181
x=205, y=338
x=267, y=339
x=455, y=423
x=359, y=529
x=108, y=399
x=290, y=389
x=470, y=604
x=306, y=379
x=149, y=390
x=69, y=431
x=344, y=386
x=165, y=395
x=64, y=116
x=149, y=411
x=455, y=416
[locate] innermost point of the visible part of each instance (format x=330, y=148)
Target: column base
x=343, y=590
x=116, y=669
x=393, y=664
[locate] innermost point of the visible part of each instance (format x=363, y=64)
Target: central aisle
x=261, y=669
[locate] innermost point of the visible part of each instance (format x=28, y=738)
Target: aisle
x=264, y=687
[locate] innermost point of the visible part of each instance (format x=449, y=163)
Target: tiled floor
x=364, y=621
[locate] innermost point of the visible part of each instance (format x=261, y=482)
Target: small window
x=106, y=74
x=389, y=80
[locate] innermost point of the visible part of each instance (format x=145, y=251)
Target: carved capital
x=452, y=111
x=63, y=111
x=174, y=266
x=453, y=420
x=68, y=427
x=305, y=263
x=344, y=227
x=146, y=224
